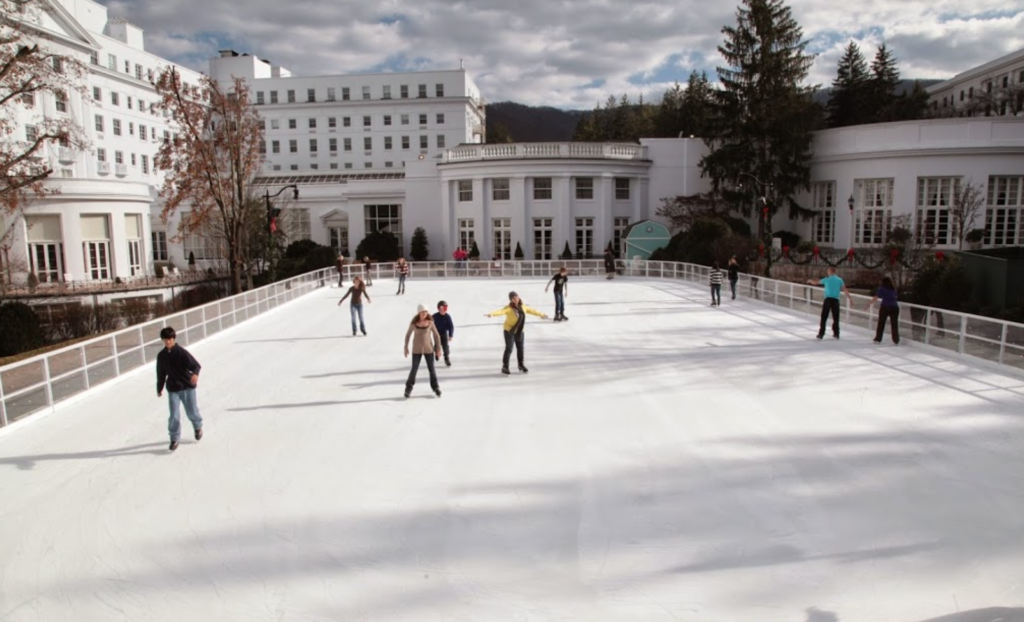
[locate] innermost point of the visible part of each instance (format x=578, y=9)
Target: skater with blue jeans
x=561, y=281
x=178, y=371
x=357, y=291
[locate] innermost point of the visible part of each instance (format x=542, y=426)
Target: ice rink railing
x=40, y=382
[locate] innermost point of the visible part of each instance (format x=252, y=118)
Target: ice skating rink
x=663, y=460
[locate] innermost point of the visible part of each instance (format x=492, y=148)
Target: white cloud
x=544, y=52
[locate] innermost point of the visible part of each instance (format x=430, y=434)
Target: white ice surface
x=663, y=460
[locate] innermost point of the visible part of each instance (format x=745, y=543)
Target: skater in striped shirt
x=715, y=278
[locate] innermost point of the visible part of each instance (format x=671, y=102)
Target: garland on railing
x=870, y=259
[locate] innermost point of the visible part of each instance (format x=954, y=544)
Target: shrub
x=419, y=248
x=20, y=329
x=566, y=253
x=474, y=253
x=136, y=310
x=105, y=318
x=519, y=251
x=320, y=257
x=299, y=249
x=788, y=238
x=383, y=245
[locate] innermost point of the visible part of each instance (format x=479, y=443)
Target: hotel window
x=385, y=218
x=29, y=99
x=440, y=118
x=439, y=90
x=101, y=154
x=502, y=230
x=874, y=212
x=310, y=95
x=293, y=146
x=111, y=62
x=584, y=237
x=159, y=239
x=131, y=128
x=99, y=123
x=330, y=93
x=296, y=223
x=423, y=120
x=115, y=98
x=142, y=132
x=422, y=94
x=334, y=165
x=95, y=231
x=387, y=119
x=823, y=202
x=273, y=97
x=389, y=164
x=333, y=145
x=1004, y=214
x=117, y=127
x=94, y=57
x=312, y=123
x=405, y=142
x=291, y=96
x=347, y=144
x=127, y=66
x=466, y=236
x=345, y=94
x=541, y=188
x=367, y=121
x=403, y=91
x=293, y=124
x=405, y=119
x=387, y=93
x=275, y=124
x=61, y=99
x=465, y=190
x=145, y=164
x=346, y=121
x=367, y=143
x=312, y=145
x=128, y=101
x=424, y=141
x=275, y=146
x=542, y=236
x=387, y=142
x=500, y=189
x=263, y=146
x=440, y=141
x=332, y=122
x=262, y=124
x=619, y=226
x=621, y=188
x=259, y=98
x=97, y=94
x=138, y=71
x=584, y=187
x=935, y=225
x=366, y=92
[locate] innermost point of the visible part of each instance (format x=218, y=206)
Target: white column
x=637, y=192
x=563, y=225
x=603, y=224
x=521, y=189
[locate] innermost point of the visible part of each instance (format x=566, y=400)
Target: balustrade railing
x=41, y=382
x=614, y=151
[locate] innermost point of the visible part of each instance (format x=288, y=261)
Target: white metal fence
x=41, y=382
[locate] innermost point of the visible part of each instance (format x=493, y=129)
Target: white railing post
x=85, y=365
x=3, y=404
x=1002, y=345
x=928, y=326
x=46, y=377
x=962, y=345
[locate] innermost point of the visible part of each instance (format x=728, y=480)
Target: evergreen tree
x=698, y=106
x=849, y=90
x=913, y=104
x=419, y=248
x=474, y=253
x=885, y=77
x=763, y=114
x=499, y=134
x=519, y=251
x=566, y=252
x=668, y=122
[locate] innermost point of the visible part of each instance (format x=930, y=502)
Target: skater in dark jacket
x=715, y=280
x=889, y=310
x=426, y=343
x=403, y=271
x=357, y=291
x=734, y=275
x=445, y=328
x=178, y=371
x=561, y=281
x=515, y=321
x=609, y=264
x=367, y=267
x=340, y=265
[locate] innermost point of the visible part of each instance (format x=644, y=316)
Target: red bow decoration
x=785, y=251
x=940, y=256
x=849, y=256
x=893, y=254
x=760, y=250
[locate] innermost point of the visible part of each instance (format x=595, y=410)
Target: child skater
x=357, y=291
x=445, y=327
x=403, y=271
x=889, y=309
x=515, y=321
x=561, y=281
x=715, y=280
x=426, y=342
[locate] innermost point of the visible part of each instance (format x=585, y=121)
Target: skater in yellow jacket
x=515, y=321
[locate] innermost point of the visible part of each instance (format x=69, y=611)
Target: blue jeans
x=188, y=399
x=357, y=311
x=716, y=293
x=401, y=283
x=732, y=286
x=559, y=303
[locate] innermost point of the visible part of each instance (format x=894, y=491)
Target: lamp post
x=764, y=189
x=272, y=214
x=851, y=203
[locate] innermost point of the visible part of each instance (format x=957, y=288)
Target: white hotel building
x=402, y=150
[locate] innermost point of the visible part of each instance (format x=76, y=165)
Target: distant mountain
x=533, y=123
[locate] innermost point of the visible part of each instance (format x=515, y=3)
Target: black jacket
x=609, y=263
x=175, y=367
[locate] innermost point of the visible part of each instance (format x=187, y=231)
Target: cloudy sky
x=564, y=53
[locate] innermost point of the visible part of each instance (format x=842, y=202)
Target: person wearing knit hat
x=446, y=328
x=425, y=343
x=515, y=320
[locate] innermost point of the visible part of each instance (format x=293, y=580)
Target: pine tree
x=668, y=122
x=885, y=77
x=764, y=115
x=566, y=252
x=419, y=248
x=849, y=89
x=698, y=106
